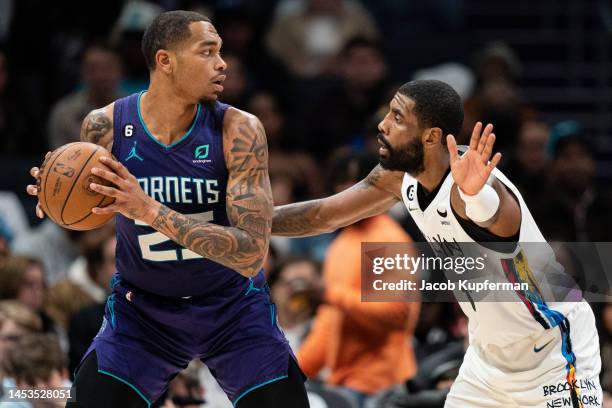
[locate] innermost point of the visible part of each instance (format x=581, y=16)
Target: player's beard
x=408, y=158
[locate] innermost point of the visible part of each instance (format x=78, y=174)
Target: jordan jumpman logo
x=133, y=154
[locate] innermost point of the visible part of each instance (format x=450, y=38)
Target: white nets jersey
x=524, y=313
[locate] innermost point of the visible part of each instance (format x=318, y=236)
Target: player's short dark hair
x=167, y=30
x=437, y=104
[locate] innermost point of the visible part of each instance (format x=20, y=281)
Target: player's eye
x=207, y=53
x=398, y=118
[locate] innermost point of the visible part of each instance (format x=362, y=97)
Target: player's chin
x=209, y=98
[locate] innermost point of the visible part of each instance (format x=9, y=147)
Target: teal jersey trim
x=259, y=386
x=128, y=384
x=144, y=126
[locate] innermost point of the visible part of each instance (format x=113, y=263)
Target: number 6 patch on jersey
x=128, y=130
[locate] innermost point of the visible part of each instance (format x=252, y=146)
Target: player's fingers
x=109, y=209
x=451, y=143
x=494, y=162
x=32, y=190
x=34, y=172
x=488, y=149
x=39, y=212
x=116, y=166
x=475, y=136
x=107, y=191
x=485, y=136
x=108, y=175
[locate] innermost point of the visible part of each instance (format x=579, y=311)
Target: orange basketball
x=63, y=189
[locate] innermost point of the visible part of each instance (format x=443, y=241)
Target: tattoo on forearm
x=244, y=245
x=229, y=246
x=95, y=127
x=297, y=219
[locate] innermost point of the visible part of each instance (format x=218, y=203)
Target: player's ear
x=432, y=136
x=163, y=61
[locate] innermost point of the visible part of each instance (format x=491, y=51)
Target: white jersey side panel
x=494, y=322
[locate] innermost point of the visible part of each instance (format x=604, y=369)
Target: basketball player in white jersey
x=522, y=353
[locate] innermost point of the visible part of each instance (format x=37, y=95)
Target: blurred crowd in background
x=319, y=75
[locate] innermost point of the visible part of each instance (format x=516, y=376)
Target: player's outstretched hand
x=130, y=200
x=471, y=170
x=32, y=189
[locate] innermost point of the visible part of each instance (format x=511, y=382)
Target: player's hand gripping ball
x=63, y=186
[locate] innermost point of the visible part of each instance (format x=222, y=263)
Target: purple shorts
x=146, y=339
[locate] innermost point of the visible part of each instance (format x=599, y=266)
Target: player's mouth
x=218, y=83
x=383, y=150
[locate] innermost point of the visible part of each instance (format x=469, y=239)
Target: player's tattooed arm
x=374, y=195
x=244, y=245
x=97, y=127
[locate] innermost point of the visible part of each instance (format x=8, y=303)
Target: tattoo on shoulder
x=249, y=162
x=249, y=148
x=96, y=126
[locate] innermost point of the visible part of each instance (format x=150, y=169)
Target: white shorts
x=559, y=368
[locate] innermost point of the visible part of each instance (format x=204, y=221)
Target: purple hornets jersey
x=188, y=176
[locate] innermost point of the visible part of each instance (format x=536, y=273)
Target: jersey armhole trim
x=117, y=110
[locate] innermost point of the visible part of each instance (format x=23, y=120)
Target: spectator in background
x=22, y=279
x=529, y=161
x=573, y=207
x=6, y=236
x=126, y=36
x=497, y=98
x=294, y=284
x=36, y=361
x=55, y=246
x=367, y=346
x=497, y=61
x=89, y=276
x=100, y=76
x=20, y=133
x=342, y=113
x=438, y=326
x=284, y=160
x=16, y=320
x=239, y=25
x=312, y=32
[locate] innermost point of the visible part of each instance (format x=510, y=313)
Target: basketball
x=63, y=186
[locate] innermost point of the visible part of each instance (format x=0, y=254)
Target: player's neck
x=167, y=116
x=435, y=169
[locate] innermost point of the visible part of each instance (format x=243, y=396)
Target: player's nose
x=382, y=126
x=221, y=64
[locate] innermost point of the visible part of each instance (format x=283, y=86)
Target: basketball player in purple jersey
x=194, y=207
